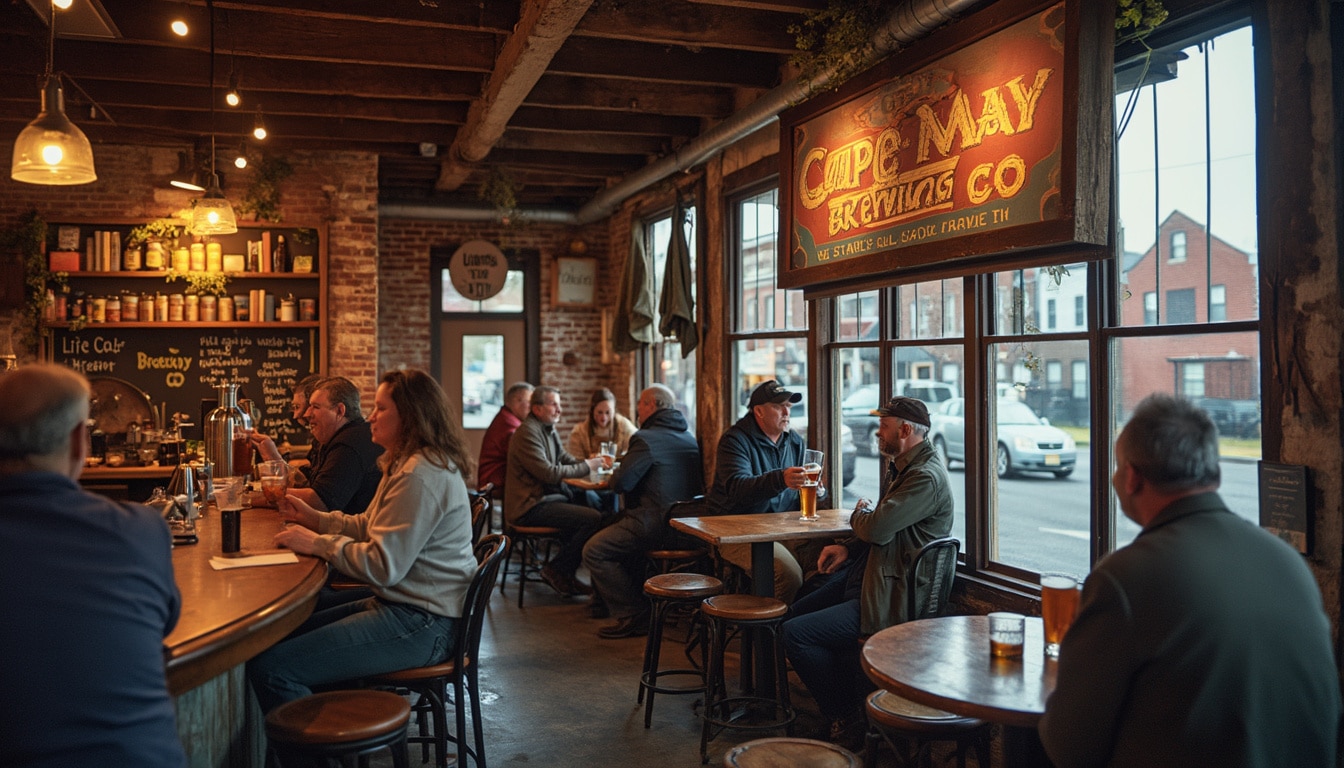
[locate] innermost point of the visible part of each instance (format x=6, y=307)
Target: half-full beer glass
x=1059, y=604
x=807, y=495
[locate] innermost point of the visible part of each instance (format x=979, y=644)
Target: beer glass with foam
x=807, y=495
x=1059, y=604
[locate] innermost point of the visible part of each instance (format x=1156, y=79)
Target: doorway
x=480, y=348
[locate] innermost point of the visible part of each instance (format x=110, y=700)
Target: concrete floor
x=554, y=694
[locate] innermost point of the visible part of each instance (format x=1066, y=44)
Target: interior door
x=479, y=359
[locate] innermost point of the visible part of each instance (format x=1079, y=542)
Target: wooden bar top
x=230, y=616
x=104, y=472
x=945, y=663
x=765, y=526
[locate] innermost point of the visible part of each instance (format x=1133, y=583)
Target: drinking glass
x=608, y=452
x=274, y=480
x=1007, y=632
x=807, y=495
x=1059, y=604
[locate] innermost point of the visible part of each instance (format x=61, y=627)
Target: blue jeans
x=349, y=641
x=576, y=524
x=822, y=643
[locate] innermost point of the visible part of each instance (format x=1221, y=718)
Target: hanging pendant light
x=52, y=150
x=187, y=175
x=213, y=215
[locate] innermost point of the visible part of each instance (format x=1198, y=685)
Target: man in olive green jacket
x=821, y=638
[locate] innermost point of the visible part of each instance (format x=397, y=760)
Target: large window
x=1176, y=311
x=662, y=362
x=768, y=333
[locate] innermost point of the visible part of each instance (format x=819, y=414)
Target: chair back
x=489, y=555
x=692, y=507
x=480, y=511
x=936, y=565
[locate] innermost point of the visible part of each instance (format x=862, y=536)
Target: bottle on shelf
x=280, y=256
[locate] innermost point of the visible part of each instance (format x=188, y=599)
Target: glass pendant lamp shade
x=52, y=150
x=213, y=215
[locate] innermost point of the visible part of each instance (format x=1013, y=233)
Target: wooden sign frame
x=574, y=282
x=1066, y=192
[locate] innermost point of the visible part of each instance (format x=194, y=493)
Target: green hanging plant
x=29, y=239
x=261, y=201
x=165, y=230
x=837, y=37
x=500, y=190
x=1136, y=19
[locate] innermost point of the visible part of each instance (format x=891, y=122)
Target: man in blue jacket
x=759, y=468
x=662, y=466
x=89, y=594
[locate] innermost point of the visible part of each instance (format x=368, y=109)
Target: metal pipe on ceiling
x=910, y=21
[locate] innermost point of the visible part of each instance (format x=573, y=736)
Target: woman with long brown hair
x=604, y=424
x=412, y=546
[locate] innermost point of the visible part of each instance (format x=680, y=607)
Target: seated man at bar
x=495, y=443
x=345, y=474
x=759, y=468
x=298, y=406
x=536, y=494
x=661, y=466
x=821, y=638
x=1204, y=641
x=90, y=594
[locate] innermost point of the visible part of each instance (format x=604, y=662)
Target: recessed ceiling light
x=64, y=5
x=180, y=28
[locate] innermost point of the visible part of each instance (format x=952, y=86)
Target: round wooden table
x=945, y=663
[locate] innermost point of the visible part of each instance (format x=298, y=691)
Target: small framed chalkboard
x=1283, y=503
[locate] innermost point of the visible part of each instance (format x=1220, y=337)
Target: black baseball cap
x=772, y=392
x=908, y=408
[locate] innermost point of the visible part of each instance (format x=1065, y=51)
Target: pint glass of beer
x=807, y=495
x=1059, y=604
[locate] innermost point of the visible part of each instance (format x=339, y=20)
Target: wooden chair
x=534, y=544
x=482, y=507
x=893, y=718
x=461, y=671
x=668, y=559
x=339, y=725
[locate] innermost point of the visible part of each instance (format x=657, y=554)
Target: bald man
x=89, y=594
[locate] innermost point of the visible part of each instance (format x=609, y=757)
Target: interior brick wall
x=570, y=337
x=340, y=189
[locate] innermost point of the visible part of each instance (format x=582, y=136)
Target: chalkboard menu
x=181, y=366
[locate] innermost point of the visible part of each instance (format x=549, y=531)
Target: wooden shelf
x=163, y=273
x=241, y=326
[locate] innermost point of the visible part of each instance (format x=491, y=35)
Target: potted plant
x=152, y=237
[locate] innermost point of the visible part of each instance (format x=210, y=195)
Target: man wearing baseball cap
x=916, y=507
x=760, y=469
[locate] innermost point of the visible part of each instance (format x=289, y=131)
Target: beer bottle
x=279, y=256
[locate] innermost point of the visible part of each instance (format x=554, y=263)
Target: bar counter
x=227, y=618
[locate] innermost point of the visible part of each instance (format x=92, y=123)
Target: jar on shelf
x=288, y=313
x=209, y=308
x=146, y=308
x=77, y=304
x=197, y=257
x=131, y=259
x=162, y=308
x=307, y=310
x=176, y=303
x=130, y=307
x=192, y=308
x=99, y=311
x=181, y=259
x=214, y=257
x=225, y=309
x=154, y=255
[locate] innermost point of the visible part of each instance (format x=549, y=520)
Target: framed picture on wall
x=575, y=282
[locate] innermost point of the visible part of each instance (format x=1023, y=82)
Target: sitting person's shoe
x=557, y=580
x=848, y=732
x=628, y=626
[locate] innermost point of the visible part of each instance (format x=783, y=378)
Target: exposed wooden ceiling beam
x=673, y=64
x=603, y=143
x=632, y=96
x=692, y=27
x=545, y=26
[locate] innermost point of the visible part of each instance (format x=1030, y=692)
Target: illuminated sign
x=972, y=143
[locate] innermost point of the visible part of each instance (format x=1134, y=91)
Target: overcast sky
x=1181, y=147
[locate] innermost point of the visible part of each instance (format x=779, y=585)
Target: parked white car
x=1026, y=442
x=856, y=410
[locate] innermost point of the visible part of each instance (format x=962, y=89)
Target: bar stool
x=748, y=612
x=894, y=717
x=337, y=725
x=666, y=591
x=534, y=551
x=796, y=753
